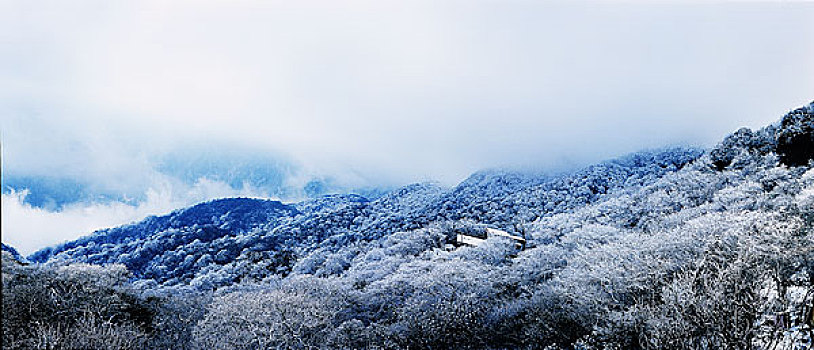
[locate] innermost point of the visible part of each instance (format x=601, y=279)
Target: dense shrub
x=89, y=307
x=71, y=307
x=795, y=139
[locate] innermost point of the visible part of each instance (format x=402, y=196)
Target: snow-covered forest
x=675, y=248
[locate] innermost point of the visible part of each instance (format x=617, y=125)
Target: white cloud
x=30, y=228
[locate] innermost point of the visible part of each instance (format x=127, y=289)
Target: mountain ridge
x=493, y=197
x=339, y=220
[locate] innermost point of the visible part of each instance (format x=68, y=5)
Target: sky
x=128, y=109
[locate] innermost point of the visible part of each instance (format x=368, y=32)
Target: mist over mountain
x=218, y=229
x=667, y=248
x=132, y=110
x=43, y=210
x=237, y=170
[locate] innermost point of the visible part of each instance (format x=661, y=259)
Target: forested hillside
x=227, y=241
x=666, y=249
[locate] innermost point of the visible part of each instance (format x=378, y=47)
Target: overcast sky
x=375, y=92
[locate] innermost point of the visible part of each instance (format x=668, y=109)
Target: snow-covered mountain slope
x=12, y=252
x=238, y=238
x=668, y=249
